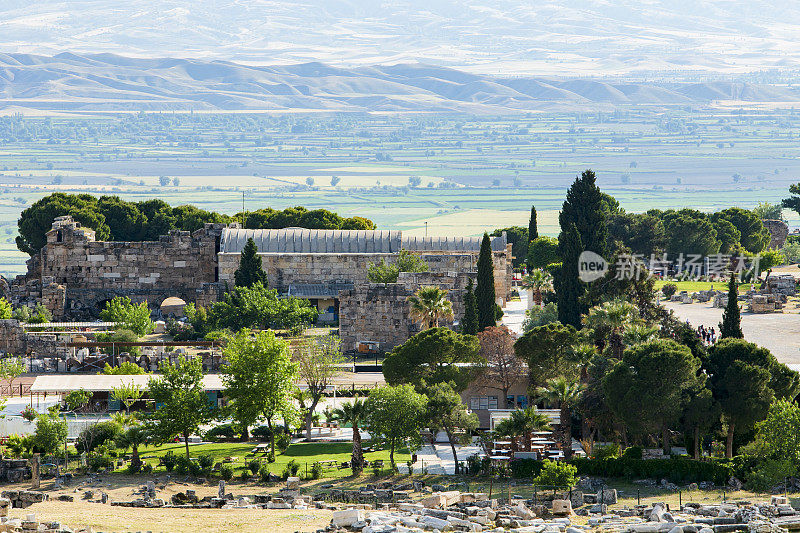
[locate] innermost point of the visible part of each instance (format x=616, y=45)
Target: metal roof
x=316, y=241
x=318, y=290
x=104, y=383
x=70, y=325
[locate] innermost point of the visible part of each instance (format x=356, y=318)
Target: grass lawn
x=694, y=286
x=304, y=453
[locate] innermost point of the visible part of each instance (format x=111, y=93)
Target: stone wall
x=378, y=312
x=74, y=275
x=285, y=269
x=778, y=232
x=16, y=341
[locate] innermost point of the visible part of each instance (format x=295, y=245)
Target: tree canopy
x=395, y=416
x=436, y=355
x=182, y=405
x=115, y=219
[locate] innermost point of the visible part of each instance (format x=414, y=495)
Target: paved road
x=514, y=313
x=778, y=332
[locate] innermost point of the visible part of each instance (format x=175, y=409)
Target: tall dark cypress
x=569, y=288
x=533, y=230
x=731, y=325
x=584, y=208
x=250, y=271
x=484, y=292
x=469, y=324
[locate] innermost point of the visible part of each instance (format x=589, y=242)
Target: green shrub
x=183, y=465
x=263, y=473
x=282, y=442
x=632, y=452
x=97, y=462
x=97, y=435
x=206, y=463
x=254, y=465
x=676, y=470
x=169, y=460
x=768, y=474
x=147, y=468
x=525, y=468
x=669, y=289
x=226, y=471
x=271, y=457
x=557, y=474
x=606, y=451
x=291, y=469
x=221, y=433
x=316, y=471
x=135, y=466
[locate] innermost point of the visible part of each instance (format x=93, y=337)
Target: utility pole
x=244, y=217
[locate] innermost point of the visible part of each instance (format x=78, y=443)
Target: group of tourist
x=709, y=335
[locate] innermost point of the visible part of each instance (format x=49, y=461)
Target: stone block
x=347, y=517
x=562, y=507
x=292, y=483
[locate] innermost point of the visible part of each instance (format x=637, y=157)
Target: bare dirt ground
x=778, y=332
x=103, y=517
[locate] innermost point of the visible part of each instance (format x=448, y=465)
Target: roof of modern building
x=316, y=241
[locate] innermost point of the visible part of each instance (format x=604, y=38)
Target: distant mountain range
x=530, y=37
x=106, y=82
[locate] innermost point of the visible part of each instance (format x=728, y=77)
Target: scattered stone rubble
x=476, y=512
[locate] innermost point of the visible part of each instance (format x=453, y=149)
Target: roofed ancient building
x=74, y=275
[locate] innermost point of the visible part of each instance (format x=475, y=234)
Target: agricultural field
x=440, y=174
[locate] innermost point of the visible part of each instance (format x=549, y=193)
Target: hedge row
x=675, y=470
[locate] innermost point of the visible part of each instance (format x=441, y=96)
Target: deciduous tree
x=446, y=412
x=182, y=405
x=503, y=368
x=395, y=416
x=258, y=378
x=318, y=359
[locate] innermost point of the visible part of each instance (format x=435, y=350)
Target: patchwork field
x=461, y=174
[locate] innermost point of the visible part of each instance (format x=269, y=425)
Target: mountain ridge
x=86, y=82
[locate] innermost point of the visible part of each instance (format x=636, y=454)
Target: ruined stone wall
x=378, y=312
x=89, y=272
x=16, y=341
x=778, y=232
x=285, y=269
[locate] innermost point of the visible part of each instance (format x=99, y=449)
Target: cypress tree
x=569, y=288
x=250, y=271
x=533, y=230
x=731, y=325
x=469, y=324
x=484, y=292
x=584, y=207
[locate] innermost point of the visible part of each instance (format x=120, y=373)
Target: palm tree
x=353, y=413
x=563, y=393
x=429, y=304
x=522, y=423
x=612, y=316
x=133, y=437
x=537, y=281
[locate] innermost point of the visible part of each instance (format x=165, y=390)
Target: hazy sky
x=492, y=36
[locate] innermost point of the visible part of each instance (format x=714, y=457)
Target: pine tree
x=469, y=324
x=533, y=230
x=731, y=325
x=250, y=272
x=584, y=207
x=569, y=288
x=484, y=292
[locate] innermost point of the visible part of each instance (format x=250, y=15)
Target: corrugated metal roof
x=316, y=241
x=103, y=382
x=71, y=325
x=318, y=290
x=311, y=241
